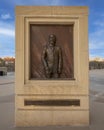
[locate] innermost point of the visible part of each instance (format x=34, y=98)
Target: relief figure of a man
x=52, y=58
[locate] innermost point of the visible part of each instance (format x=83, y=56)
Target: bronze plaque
x=41, y=53
x=58, y=102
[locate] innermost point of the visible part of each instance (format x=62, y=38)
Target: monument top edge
x=51, y=10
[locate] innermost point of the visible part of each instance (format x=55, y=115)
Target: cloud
x=97, y=53
x=7, y=24
x=5, y=16
x=7, y=28
x=96, y=39
x=7, y=45
x=55, y=2
x=12, y=3
x=96, y=43
x=7, y=32
x=7, y=38
x=7, y=52
x=99, y=23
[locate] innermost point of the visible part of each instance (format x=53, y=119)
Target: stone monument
x=51, y=84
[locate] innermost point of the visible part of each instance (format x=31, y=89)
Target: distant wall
x=3, y=71
x=8, y=63
x=96, y=65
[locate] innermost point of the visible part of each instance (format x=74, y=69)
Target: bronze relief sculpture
x=52, y=58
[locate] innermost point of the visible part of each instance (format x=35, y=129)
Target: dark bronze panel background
x=39, y=38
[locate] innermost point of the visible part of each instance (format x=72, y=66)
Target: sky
x=95, y=27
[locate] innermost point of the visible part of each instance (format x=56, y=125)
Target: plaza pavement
x=96, y=104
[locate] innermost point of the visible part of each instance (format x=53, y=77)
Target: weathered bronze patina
x=52, y=58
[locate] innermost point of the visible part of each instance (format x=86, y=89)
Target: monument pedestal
x=40, y=100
